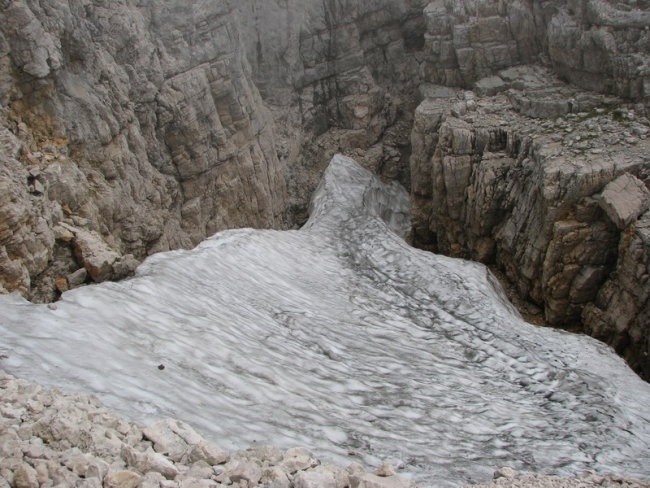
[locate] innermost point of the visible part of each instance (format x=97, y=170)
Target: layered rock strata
x=340, y=77
x=599, y=45
x=548, y=184
x=143, y=124
x=137, y=125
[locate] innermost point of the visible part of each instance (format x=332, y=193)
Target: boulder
x=181, y=443
x=122, y=479
x=249, y=471
x=297, y=459
x=625, y=199
x=325, y=476
x=368, y=480
x=25, y=477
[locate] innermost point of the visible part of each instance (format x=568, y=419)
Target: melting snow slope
x=340, y=337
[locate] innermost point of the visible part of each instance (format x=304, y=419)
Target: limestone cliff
x=340, y=76
x=546, y=181
x=138, y=125
x=600, y=45
x=555, y=203
x=142, y=125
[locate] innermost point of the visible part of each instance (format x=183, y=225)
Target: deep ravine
x=342, y=338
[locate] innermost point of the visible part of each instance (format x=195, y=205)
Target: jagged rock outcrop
x=620, y=314
x=542, y=179
x=340, y=76
x=547, y=183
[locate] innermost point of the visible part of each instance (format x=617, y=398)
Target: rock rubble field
x=49, y=438
x=53, y=439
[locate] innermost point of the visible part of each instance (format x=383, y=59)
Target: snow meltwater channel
x=341, y=338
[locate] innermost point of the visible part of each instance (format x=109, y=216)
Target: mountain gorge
x=304, y=223
x=520, y=128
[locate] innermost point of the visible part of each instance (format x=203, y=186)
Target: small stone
x=326, y=476
x=385, y=470
x=200, y=470
x=624, y=199
x=37, y=187
x=504, y=472
x=297, y=459
x=63, y=233
x=77, y=278
x=368, y=480
x=275, y=477
x=151, y=480
x=62, y=284
x=122, y=479
x=181, y=443
x=355, y=469
x=248, y=471
x=124, y=266
x=26, y=477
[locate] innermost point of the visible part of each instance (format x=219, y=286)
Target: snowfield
x=342, y=338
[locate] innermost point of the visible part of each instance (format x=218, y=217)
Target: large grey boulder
x=625, y=199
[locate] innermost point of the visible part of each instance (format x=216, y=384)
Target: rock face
x=144, y=125
x=599, y=45
x=138, y=125
x=546, y=183
x=340, y=77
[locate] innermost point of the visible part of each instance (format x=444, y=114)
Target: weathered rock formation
x=138, y=125
x=544, y=180
x=339, y=76
x=547, y=184
x=599, y=45
x=143, y=124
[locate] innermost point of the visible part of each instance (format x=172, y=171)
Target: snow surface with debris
x=342, y=338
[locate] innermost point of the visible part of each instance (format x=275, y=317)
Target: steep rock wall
x=525, y=172
x=340, y=76
x=142, y=124
x=555, y=203
x=137, y=123
x=600, y=45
